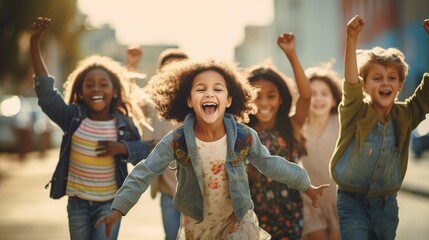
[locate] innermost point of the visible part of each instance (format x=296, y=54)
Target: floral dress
x=219, y=219
x=279, y=208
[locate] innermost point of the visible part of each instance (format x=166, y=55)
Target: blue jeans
x=170, y=217
x=363, y=218
x=83, y=215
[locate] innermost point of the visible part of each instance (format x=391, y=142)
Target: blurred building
x=103, y=41
x=315, y=24
x=319, y=28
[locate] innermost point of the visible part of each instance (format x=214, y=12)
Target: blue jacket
x=188, y=198
x=68, y=118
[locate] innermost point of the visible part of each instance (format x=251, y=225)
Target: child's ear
x=115, y=93
x=401, y=84
x=364, y=88
x=189, y=102
x=229, y=102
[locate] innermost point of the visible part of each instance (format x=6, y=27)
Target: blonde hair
x=390, y=57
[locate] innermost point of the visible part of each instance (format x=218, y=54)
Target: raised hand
x=286, y=42
x=354, y=26
x=426, y=25
x=314, y=193
x=134, y=56
x=39, y=26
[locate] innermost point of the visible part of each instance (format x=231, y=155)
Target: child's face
x=97, y=93
x=209, y=97
x=382, y=84
x=322, y=99
x=268, y=103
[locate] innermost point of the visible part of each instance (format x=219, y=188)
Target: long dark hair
x=283, y=123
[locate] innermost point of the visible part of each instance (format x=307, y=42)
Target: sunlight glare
x=201, y=27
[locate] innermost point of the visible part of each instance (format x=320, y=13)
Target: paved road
x=26, y=211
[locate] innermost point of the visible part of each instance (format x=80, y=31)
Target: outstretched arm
x=354, y=27
x=314, y=193
x=286, y=42
x=426, y=25
x=39, y=26
x=109, y=220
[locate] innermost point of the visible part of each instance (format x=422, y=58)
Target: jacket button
x=121, y=132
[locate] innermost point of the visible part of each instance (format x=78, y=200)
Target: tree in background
x=16, y=18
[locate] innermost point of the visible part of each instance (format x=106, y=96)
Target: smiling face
x=209, y=97
x=322, y=99
x=268, y=103
x=97, y=93
x=382, y=84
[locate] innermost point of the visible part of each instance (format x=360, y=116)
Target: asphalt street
x=27, y=212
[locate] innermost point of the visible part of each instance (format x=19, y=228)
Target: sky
x=202, y=28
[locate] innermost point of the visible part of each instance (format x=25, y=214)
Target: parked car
x=24, y=127
x=420, y=138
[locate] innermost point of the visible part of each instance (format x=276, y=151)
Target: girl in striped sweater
x=99, y=136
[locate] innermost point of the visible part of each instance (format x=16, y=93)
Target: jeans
x=170, y=217
x=83, y=215
x=363, y=218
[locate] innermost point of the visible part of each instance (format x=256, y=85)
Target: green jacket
x=358, y=117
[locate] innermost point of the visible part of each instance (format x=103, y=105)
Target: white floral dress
x=219, y=219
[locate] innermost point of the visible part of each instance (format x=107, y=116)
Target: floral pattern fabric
x=219, y=219
x=279, y=208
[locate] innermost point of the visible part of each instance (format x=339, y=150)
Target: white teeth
x=265, y=111
x=209, y=104
x=97, y=98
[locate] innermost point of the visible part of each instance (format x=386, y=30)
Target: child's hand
x=354, y=26
x=314, y=193
x=39, y=26
x=109, y=220
x=286, y=42
x=134, y=56
x=426, y=25
x=110, y=148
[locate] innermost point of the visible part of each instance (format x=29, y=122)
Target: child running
x=211, y=150
x=321, y=130
x=278, y=122
x=371, y=156
x=99, y=136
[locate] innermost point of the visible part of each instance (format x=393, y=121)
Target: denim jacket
x=358, y=120
x=188, y=198
x=68, y=118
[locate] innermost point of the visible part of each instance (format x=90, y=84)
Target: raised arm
x=39, y=26
x=354, y=27
x=426, y=25
x=286, y=42
x=134, y=56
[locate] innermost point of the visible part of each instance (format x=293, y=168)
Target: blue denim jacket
x=376, y=169
x=188, y=198
x=68, y=118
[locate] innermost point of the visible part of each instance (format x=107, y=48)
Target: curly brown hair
x=116, y=73
x=171, y=87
